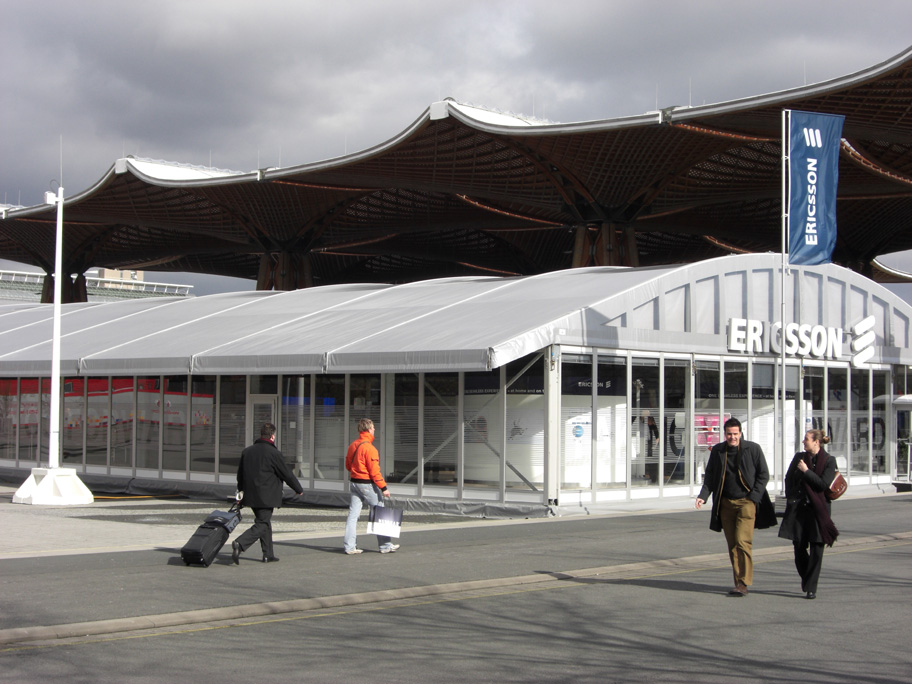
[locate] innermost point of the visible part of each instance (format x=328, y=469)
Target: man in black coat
x=736, y=476
x=260, y=476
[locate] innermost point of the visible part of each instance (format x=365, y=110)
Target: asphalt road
x=629, y=598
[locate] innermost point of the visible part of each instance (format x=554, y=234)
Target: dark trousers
x=808, y=561
x=261, y=529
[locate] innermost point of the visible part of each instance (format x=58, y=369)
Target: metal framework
x=456, y=194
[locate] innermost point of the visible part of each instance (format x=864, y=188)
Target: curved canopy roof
x=447, y=324
x=465, y=191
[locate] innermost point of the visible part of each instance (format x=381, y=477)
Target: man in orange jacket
x=366, y=484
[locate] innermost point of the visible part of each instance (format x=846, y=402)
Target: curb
x=611, y=572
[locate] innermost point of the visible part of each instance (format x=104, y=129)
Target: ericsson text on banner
x=813, y=148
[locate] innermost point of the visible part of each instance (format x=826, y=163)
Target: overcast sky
x=245, y=85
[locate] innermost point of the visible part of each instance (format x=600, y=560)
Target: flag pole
x=782, y=288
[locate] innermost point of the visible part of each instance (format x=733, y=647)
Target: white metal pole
x=55, y=485
x=54, y=418
x=785, y=217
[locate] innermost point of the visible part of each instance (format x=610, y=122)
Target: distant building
x=102, y=285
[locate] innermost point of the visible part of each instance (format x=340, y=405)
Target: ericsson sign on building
x=802, y=340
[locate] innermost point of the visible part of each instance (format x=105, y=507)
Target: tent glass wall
x=148, y=422
x=645, y=434
x=44, y=427
x=232, y=419
x=860, y=423
x=202, y=423
x=294, y=427
x=364, y=402
x=482, y=426
x=576, y=421
x=99, y=400
x=525, y=424
x=763, y=419
x=879, y=421
x=611, y=415
x=122, y=413
x=813, y=396
x=9, y=418
x=403, y=414
x=73, y=428
x=899, y=381
x=736, y=391
x=794, y=429
x=29, y=403
x=707, y=421
x=623, y=422
x=838, y=416
x=174, y=450
x=676, y=465
x=424, y=417
x=441, y=433
x=329, y=428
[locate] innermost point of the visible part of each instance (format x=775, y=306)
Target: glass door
x=903, y=424
x=261, y=408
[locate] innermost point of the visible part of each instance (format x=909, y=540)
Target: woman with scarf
x=807, y=514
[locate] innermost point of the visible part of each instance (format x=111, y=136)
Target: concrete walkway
x=114, y=565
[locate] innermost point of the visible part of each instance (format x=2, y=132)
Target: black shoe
x=235, y=553
x=270, y=559
x=811, y=595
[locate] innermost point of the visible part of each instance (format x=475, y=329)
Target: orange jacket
x=363, y=461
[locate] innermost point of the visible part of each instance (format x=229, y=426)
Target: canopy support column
x=631, y=250
x=266, y=274
x=284, y=271
x=597, y=246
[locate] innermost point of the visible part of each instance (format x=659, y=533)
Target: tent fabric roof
x=470, y=323
x=466, y=191
x=448, y=324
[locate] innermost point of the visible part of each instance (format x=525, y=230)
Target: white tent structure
x=521, y=343
x=457, y=324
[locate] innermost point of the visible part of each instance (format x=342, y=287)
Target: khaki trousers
x=737, y=516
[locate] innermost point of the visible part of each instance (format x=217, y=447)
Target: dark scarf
x=818, y=500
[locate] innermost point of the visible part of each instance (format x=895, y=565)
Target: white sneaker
x=353, y=552
x=392, y=548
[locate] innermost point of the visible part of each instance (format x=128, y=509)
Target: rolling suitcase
x=210, y=537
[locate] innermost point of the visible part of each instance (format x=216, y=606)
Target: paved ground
x=99, y=574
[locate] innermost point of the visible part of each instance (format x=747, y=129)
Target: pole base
x=53, y=487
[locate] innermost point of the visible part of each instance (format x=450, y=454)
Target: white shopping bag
x=384, y=521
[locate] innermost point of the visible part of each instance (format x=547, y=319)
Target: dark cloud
x=247, y=84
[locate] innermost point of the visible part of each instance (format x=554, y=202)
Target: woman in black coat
x=807, y=519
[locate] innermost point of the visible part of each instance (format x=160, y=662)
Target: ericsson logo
x=812, y=137
x=863, y=341
x=803, y=340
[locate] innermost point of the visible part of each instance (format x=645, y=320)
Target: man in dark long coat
x=736, y=477
x=260, y=476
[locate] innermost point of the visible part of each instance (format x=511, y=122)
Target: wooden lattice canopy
x=469, y=191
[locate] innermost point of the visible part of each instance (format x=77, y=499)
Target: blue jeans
x=362, y=495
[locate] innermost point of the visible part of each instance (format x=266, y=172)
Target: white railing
x=22, y=281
